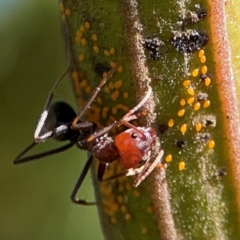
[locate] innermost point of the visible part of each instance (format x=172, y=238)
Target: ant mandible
x=134, y=146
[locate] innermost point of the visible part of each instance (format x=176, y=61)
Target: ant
x=60, y=122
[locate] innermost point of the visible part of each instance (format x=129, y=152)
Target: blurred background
x=35, y=197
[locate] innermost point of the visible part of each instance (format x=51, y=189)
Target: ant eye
x=134, y=135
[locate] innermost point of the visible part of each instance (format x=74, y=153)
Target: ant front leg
x=148, y=168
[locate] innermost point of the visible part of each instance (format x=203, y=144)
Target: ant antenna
x=97, y=90
x=44, y=115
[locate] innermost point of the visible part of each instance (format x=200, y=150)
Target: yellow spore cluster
x=191, y=105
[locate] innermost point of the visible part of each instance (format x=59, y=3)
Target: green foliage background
x=35, y=197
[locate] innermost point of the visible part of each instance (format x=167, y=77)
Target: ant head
x=60, y=113
x=134, y=145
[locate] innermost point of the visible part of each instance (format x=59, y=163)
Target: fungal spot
x=182, y=102
x=63, y=17
x=96, y=48
x=106, y=53
x=123, y=208
x=153, y=45
x=112, y=50
x=111, y=85
x=125, y=95
x=181, y=112
x=104, y=74
x=118, y=84
x=204, y=69
x=190, y=100
x=168, y=158
x=115, y=95
x=104, y=112
x=180, y=143
x=79, y=34
x=88, y=90
x=198, y=127
x=211, y=144
x=190, y=91
x=144, y=230
x=99, y=100
x=128, y=186
x=81, y=57
x=120, y=199
x=83, y=41
x=197, y=106
x=201, y=53
x=181, y=165
x=87, y=25
x=170, y=123
x=207, y=81
x=195, y=72
x=61, y=7
x=67, y=11
x=75, y=76
x=83, y=83
x=189, y=41
x=114, y=110
x=206, y=104
x=113, y=220
x=136, y=193
x=183, y=128
x=186, y=83
x=82, y=28
x=203, y=59
x=94, y=37
x=120, y=69
x=78, y=39
x=149, y=209
x=127, y=217
x=112, y=64
x=107, y=89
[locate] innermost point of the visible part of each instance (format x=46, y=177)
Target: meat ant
x=134, y=146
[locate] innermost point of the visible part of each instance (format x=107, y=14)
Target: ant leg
x=55, y=132
x=129, y=172
x=128, y=117
x=148, y=168
x=63, y=129
x=84, y=126
x=19, y=160
x=79, y=183
x=97, y=90
x=101, y=170
x=44, y=114
x=143, y=171
x=140, y=104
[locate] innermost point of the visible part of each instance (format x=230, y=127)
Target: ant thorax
x=103, y=148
